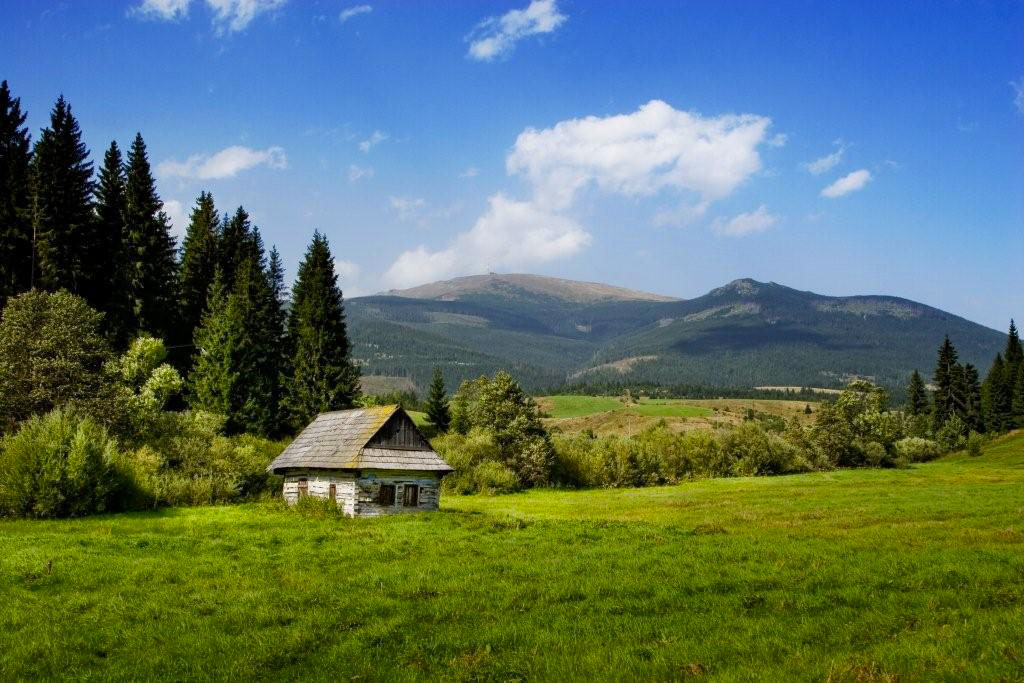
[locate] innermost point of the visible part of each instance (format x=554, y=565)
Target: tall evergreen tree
x=62, y=188
x=1014, y=354
x=1017, y=399
x=112, y=294
x=917, y=395
x=198, y=262
x=973, y=404
x=948, y=382
x=214, y=378
x=438, y=410
x=324, y=376
x=153, y=265
x=15, y=197
x=236, y=243
x=997, y=396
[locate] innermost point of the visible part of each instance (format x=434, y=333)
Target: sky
x=843, y=148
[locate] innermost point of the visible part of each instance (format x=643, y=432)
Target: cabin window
x=411, y=496
x=386, y=494
x=332, y=492
x=303, y=488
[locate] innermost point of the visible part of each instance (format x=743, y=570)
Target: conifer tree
x=438, y=411
x=62, y=215
x=1014, y=354
x=15, y=197
x=948, y=383
x=112, y=294
x=917, y=395
x=323, y=374
x=198, y=262
x=236, y=242
x=973, y=405
x=152, y=264
x=214, y=377
x=1017, y=399
x=997, y=396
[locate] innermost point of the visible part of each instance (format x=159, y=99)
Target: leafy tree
x=109, y=252
x=198, y=262
x=324, y=376
x=51, y=353
x=917, y=395
x=152, y=250
x=62, y=204
x=438, y=411
x=15, y=198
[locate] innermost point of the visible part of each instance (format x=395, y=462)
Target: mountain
x=550, y=332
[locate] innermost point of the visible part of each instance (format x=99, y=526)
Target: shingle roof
x=337, y=440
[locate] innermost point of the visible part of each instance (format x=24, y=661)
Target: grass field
x=853, y=575
x=582, y=406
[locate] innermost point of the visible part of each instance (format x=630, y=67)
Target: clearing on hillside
x=851, y=575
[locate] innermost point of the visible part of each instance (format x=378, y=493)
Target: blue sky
x=844, y=148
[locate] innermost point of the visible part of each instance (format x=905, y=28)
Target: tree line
x=265, y=360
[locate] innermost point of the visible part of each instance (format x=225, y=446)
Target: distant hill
x=550, y=332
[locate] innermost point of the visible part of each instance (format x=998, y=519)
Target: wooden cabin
x=371, y=461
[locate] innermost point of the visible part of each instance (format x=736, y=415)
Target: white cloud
x=377, y=137
x=847, y=184
x=819, y=166
x=406, y=207
x=471, y=172
x=497, y=36
x=654, y=149
x=354, y=11
x=228, y=15
x=681, y=215
x=358, y=172
x=1018, y=94
x=349, y=274
x=778, y=140
x=226, y=163
x=176, y=213
x=742, y=224
x=510, y=235
x=168, y=10
x=639, y=154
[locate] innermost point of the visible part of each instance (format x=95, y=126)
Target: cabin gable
x=399, y=433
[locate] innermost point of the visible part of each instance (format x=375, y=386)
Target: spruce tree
x=997, y=396
x=62, y=215
x=438, y=411
x=323, y=374
x=152, y=264
x=198, y=262
x=214, y=377
x=973, y=404
x=917, y=395
x=947, y=384
x=1014, y=354
x=1016, y=419
x=15, y=198
x=112, y=294
x=236, y=242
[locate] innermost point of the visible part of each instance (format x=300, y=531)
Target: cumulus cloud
x=356, y=173
x=742, y=224
x=819, y=166
x=847, y=184
x=354, y=11
x=653, y=150
x=176, y=213
x=497, y=36
x=226, y=163
x=1018, y=94
x=228, y=15
x=510, y=235
x=377, y=137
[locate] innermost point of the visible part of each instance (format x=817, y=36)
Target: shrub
x=974, y=444
x=58, y=465
x=916, y=449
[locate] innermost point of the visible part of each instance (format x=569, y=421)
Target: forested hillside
x=746, y=333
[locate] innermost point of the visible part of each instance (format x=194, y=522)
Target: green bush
x=916, y=449
x=974, y=443
x=58, y=465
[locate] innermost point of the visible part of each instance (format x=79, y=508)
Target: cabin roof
x=338, y=441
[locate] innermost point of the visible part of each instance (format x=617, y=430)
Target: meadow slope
x=852, y=575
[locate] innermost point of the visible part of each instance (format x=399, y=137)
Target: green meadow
x=581, y=406
x=859, y=575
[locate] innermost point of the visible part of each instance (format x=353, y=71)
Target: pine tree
x=438, y=412
x=214, y=377
x=112, y=294
x=236, y=242
x=323, y=374
x=997, y=396
x=15, y=198
x=1014, y=354
x=948, y=382
x=973, y=405
x=917, y=395
x=198, y=262
x=1017, y=399
x=152, y=250
x=62, y=213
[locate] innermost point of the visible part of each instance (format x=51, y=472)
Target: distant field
x=870, y=575
x=581, y=406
